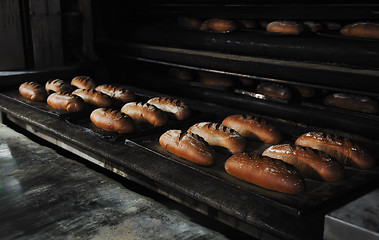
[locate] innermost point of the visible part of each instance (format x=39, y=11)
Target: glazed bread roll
x=274, y=90
x=145, y=112
x=219, y=25
x=58, y=85
x=188, y=146
x=352, y=102
x=67, y=102
x=176, y=107
x=93, y=97
x=311, y=163
x=33, y=91
x=361, y=29
x=118, y=93
x=266, y=172
x=216, y=134
x=285, y=27
x=83, y=82
x=253, y=128
x=112, y=120
x=342, y=149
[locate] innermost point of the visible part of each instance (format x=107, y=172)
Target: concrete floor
x=44, y=195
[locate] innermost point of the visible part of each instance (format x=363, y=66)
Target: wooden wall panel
x=11, y=42
x=46, y=32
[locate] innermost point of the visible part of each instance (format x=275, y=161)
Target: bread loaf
x=188, y=146
x=342, y=149
x=216, y=134
x=219, y=25
x=112, y=120
x=33, y=91
x=176, y=107
x=311, y=163
x=361, y=29
x=352, y=102
x=266, y=172
x=93, y=97
x=119, y=93
x=83, y=82
x=67, y=102
x=145, y=112
x=58, y=85
x=285, y=27
x=274, y=90
x=253, y=128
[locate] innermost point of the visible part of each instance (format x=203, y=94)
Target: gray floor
x=44, y=195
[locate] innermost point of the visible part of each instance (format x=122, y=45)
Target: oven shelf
x=358, y=81
x=247, y=9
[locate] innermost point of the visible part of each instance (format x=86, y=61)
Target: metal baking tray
x=142, y=129
x=317, y=48
x=43, y=107
x=318, y=197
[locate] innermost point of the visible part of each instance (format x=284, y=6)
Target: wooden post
x=46, y=32
x=11, y=42
x=85, y=8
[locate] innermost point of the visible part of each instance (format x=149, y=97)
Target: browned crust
x=352, y=102
x=361, y=29
x=217, y=134
x=253, y=128
x=33, y=91
x=145, y=112
x=274, y=90
x=311, y=163
x=266, y=172
x=188, y=146
x=112, y=120
x=58, y=85
x=122, y=94
x=220, y=25
x=342, y=149
x=67, y=102
x=174, y=106
x=83, y=82
x=94, y=97
x=285, y=27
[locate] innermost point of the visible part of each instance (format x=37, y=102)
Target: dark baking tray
x=43, y=107
x=142, y=129
x=306, y=47
x=319, y=196
x=334, y=34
